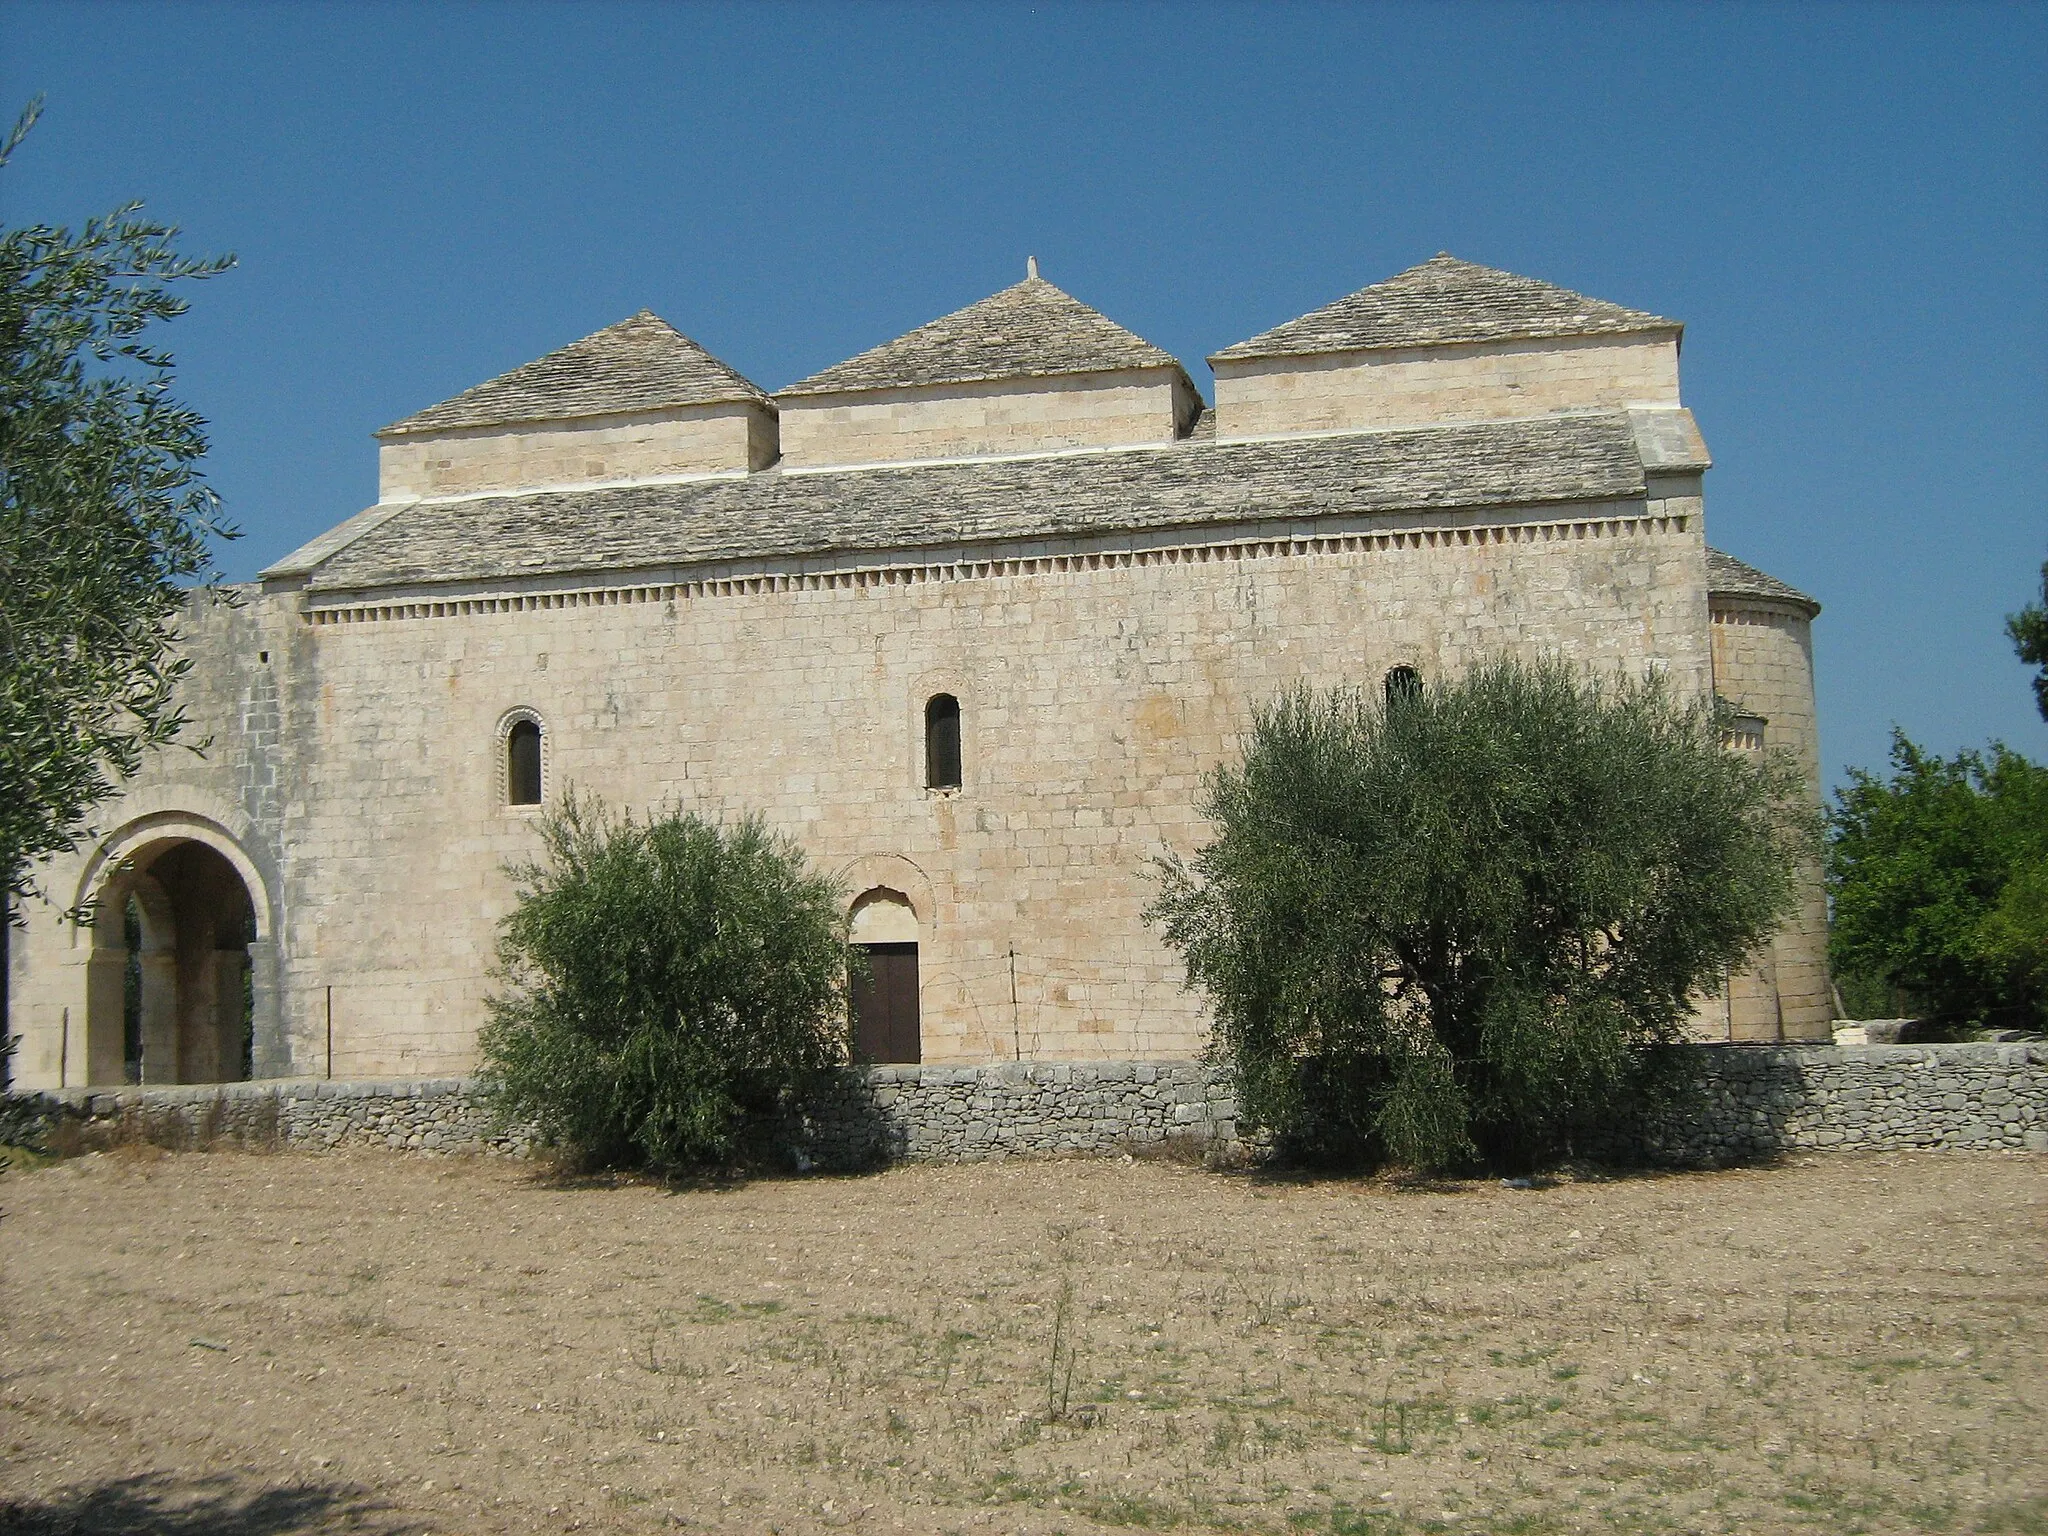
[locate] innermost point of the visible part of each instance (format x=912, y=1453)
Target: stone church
x=969, y=615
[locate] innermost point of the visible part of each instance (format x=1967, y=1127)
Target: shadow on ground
x=154, y=1504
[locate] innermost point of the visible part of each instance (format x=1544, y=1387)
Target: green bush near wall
x=1451, y=927
x=1938, y=879
x=663, y=981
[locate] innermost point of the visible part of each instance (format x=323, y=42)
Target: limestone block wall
x=1089, y=410
x=360, y=761
x=703, y=439
x=1096, y=691
x=226, y=786
x=1424, y=386
x=1763, y=663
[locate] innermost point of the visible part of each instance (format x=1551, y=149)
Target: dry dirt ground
x=239, y=1343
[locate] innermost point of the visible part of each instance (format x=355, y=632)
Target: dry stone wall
x=402, y=1114
x=880, y=1115
x=1757, y=1102
x=974, y=1114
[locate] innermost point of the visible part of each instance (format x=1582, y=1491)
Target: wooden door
x=885, y=1025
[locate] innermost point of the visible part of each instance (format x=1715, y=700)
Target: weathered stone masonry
x=1759, y=1101
x=971, y=1114
x=879, y=1115
x=434, y=1115
x=710, y=597
x=1762, y=1100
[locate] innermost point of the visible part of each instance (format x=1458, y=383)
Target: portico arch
x=125, y=842
x=202, y=1009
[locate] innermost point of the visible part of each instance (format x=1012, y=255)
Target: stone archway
x=172, y=977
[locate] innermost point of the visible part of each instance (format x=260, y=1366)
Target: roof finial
x=1030, y=267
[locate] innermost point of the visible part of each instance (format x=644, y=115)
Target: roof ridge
x=1445, y=301
x=1031, y=329
x=639, y=363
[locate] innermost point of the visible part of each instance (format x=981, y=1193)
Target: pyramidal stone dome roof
x=1441, y=302
x=1730, y=577
x=1029, y=330
x=640, y=364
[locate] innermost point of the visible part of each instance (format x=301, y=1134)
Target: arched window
x=1403, y=684
x=522, y=762
x=942, y=742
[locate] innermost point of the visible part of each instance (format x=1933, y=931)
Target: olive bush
x=1451, y=927
x=663, y=980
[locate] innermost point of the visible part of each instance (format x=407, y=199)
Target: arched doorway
x=169, y=994
x=885, y=1015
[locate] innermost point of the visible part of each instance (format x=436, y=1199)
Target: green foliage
x=103, y=516
x=666, y=979
x=1939, y=880
x=1457, y=924
x=2029, y=631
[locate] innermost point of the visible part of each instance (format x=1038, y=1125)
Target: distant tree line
x=1938, y=876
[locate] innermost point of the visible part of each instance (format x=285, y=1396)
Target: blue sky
x=1847, y=205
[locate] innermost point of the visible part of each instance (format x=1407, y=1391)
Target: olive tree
x=105, y=518
x=663, y=980
x=1453, y=926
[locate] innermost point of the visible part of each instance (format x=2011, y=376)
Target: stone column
x=96, y=1057
x=159, y=1016
x=230, y=966
x=198, y=1017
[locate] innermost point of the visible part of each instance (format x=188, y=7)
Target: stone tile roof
x=1442, y=301
x=1730, y=577
x=640, y=364
x=1029, y=330
x=1668, y=440
x=778, y=515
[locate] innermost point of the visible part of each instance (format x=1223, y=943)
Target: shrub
x=1939, y=881
x=25, y=1121
x=664, y=981
x=1453, y=925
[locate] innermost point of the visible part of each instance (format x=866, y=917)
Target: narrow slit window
x=942, y=742
x=522, y=763
x=1403, y=684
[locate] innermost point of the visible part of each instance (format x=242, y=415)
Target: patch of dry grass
x=1846, y=1344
